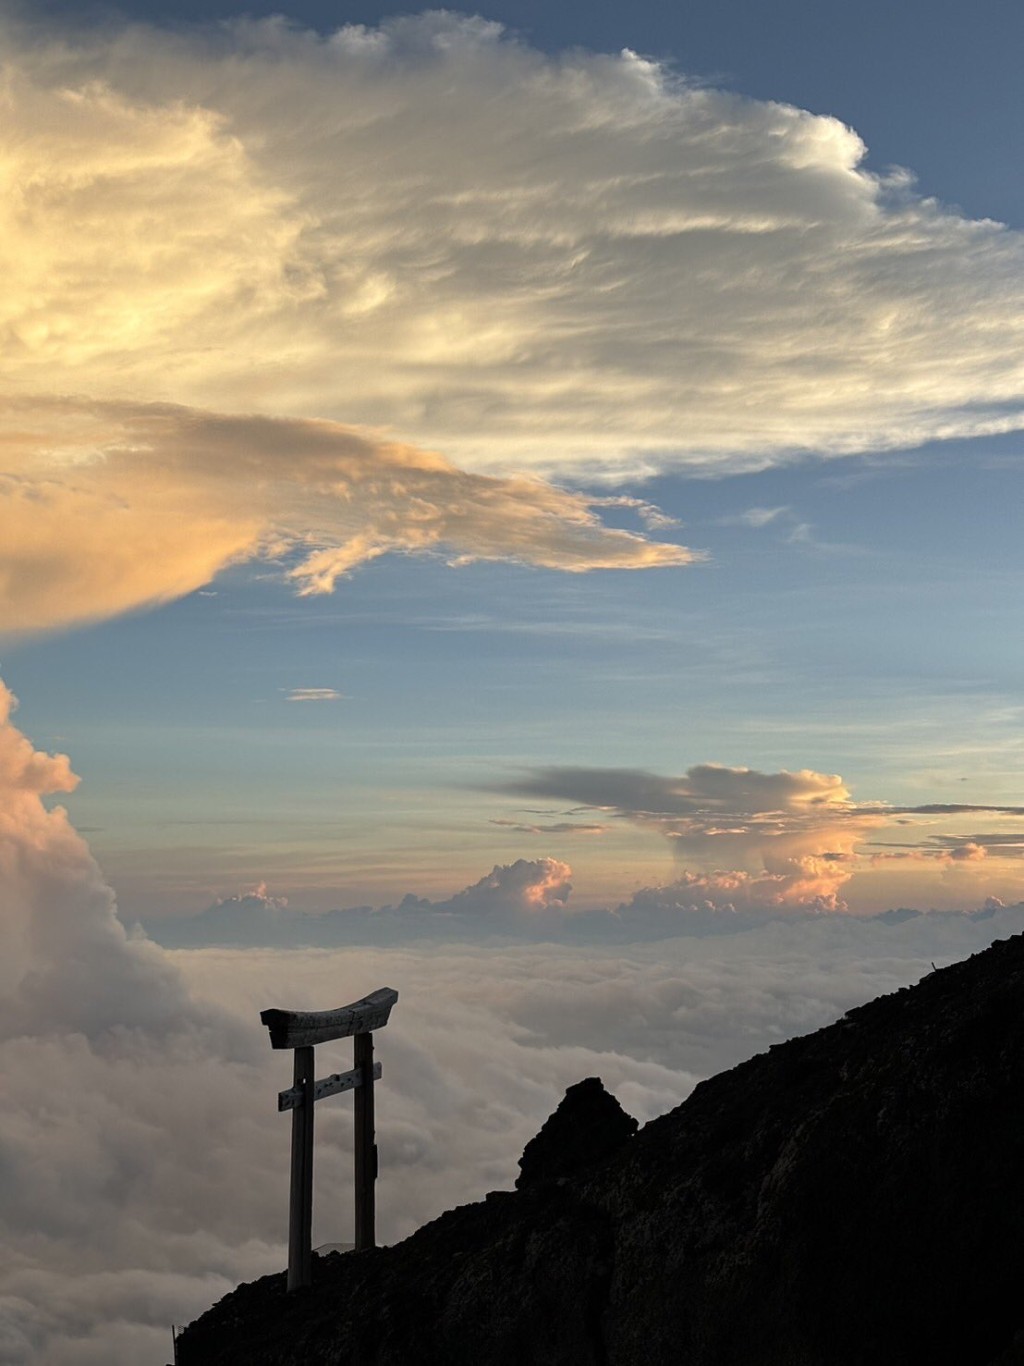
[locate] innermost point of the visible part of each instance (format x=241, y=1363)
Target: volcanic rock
x=855, y=1196
x=588, y=1126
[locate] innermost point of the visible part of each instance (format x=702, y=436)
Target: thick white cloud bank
x=522, y=260
x=143, y=1166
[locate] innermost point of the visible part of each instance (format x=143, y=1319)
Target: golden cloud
x=109, y=507
x=559, y=263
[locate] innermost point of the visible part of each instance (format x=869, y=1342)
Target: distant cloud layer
x=752, y=841
x=560, y=262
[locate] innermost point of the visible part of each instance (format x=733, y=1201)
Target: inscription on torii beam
x=302, y=1030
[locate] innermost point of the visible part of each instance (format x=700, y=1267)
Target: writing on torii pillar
x=302, y=1030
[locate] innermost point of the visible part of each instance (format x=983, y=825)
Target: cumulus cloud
x=109, y=507
x=753, y=841
x=803, y=881
x=527, y=885
x=96, y=1028
x=510, y=899
x=565, y=261
x=65, y=960
x=968, y=853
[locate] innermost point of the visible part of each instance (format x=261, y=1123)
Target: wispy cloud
x=755, y=517
x=313, y=695
x=553, y=828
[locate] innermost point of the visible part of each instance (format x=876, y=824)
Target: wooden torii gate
x=302, y=1030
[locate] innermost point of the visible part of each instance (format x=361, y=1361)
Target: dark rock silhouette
x=588, y=1126
x=852, y=1197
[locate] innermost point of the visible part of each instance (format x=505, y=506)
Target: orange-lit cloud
x=530, y=885
x=750, y=840
x=109, y=507
x=65, y=960
x=253, y=276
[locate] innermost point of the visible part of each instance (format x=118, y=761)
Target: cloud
x=173, y=1164
x=705, y=790
x=553, y=828
x=761, y=842
x=750, y=838
x=530, y=885
x=227, y=335
x=561, y=262
x=106, y=508
x=144, y=1169
x=968, y=853
x=807, y=882
x=314, y=695
x=65, y=960
x=757, y=517
x=510, y=899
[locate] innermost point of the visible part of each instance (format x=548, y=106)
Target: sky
x=487, y=498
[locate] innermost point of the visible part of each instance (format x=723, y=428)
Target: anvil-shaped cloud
x=561, y=262
x=108, y=507
x=444, y=240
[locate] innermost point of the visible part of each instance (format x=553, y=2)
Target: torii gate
x=301, y=1030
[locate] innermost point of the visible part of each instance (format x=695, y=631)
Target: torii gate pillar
x=301, y=1031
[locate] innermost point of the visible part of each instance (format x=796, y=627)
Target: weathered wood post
x=300, y=1200
x=365, y=1147
x=302, y=1030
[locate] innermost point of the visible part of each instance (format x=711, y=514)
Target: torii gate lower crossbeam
x=301, y=1031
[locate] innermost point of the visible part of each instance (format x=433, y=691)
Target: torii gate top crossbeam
x=301, y=1028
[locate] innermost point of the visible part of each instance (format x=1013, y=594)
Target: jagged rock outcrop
x=588, y=1126
x=850, y=1197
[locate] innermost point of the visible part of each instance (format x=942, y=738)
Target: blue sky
x=883, y=647
x=851, y=608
